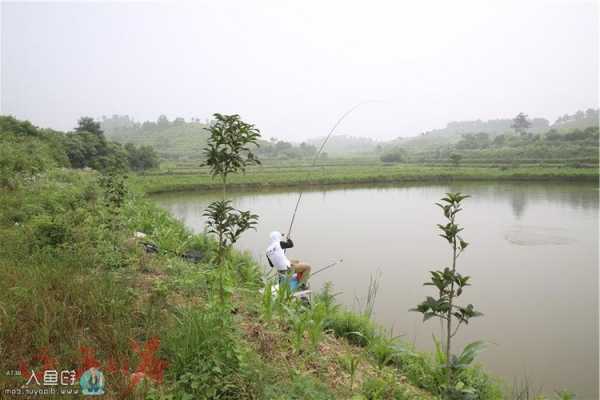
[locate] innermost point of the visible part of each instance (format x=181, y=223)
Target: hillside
x=453, y=132
x=579, y=120
x=339, y=145
x=181, y=140
x=172, y=140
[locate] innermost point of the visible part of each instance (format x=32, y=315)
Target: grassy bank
x=75, y=287
x=297, y=175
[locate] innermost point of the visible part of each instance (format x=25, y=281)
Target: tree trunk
x=449, y=320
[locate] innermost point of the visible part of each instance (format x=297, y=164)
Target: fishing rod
x=333, y=264
x=338, y=122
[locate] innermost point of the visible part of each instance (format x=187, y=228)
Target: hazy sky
x=293, y=67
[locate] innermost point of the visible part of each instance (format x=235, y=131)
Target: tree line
x=525, y=142
x=26, y=150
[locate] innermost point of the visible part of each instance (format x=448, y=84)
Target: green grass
x=283, y=176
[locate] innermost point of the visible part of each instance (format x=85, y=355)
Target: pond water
x=533, y=259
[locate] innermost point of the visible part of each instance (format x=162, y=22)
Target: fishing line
x=338, y=122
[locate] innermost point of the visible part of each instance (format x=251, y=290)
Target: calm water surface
x=533, y=260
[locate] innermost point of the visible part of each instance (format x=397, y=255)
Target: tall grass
x=207, y=359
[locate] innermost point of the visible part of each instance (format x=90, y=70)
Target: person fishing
x=294, y=271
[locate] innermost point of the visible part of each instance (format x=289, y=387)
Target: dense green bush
x=48, y=231
x=356, y=328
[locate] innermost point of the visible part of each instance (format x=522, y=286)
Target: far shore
x=266, y=178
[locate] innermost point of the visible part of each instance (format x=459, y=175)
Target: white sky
x=292, y=67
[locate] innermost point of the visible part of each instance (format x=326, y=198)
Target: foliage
x=384, y=387
x=350, y=363
x=267, y=302
x=521, y=124
x=176, y=139
x=227, y=224
x=282, y=150
x=456, y=159
x=396, y=155
x=228, y=149
x=316, y=322
x=383, y=348
x=207, y=361
x=300, y=387
x=326, y=297
x=141, y=158
x=450, y=285
x=87, y=124
x=27, y=150
x=356, y=328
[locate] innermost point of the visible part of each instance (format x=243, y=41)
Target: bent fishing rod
x=314, y=162
x=333, y=264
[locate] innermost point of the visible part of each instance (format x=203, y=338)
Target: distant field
x=170, y=179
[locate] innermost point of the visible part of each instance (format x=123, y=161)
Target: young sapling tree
x=450, y=285
x=229, y=150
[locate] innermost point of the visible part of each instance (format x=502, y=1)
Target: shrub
x=356, y=328
x=383, y=349
x=49, y=231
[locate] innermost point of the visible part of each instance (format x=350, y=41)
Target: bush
x=356, y=328
x=394, y=156
x=49, y=231
x=383, y=349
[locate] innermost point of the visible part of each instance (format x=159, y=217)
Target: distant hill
x=184, y=140
x=173, y=140
x=343, y=144
x=453, y=132
x=579, y=120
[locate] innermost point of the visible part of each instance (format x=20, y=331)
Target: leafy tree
x=396, y=155
x=87, y=124
x=450, y=285
x=521, y=124
x=141, y=158
x=228, y=149
x=456, y=159
x=162, y=121
x=227, y=224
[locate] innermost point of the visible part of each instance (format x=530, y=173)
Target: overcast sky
x=292, y=68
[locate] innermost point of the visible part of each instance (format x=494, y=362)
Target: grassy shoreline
x=259, y=178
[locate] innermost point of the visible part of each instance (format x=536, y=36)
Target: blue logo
x=92, y=382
